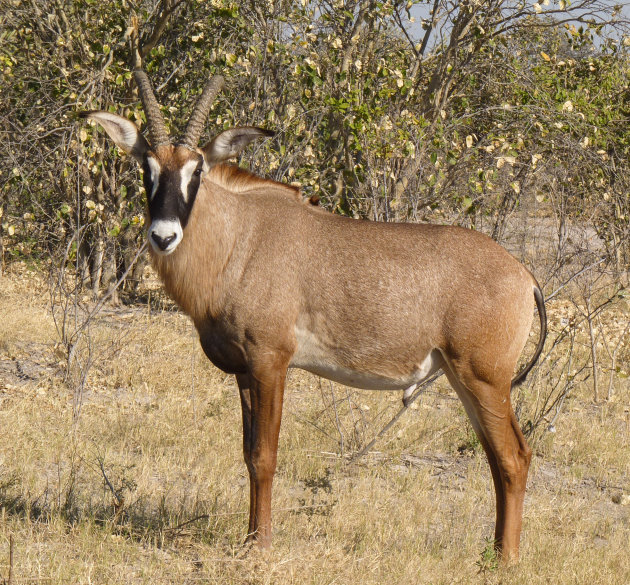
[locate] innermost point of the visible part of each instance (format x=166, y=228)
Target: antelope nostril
x=161, y=242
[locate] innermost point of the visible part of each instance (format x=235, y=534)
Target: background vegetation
x=506, y=116
x=479, y=111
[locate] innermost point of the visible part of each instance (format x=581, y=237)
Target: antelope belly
x=315, y=357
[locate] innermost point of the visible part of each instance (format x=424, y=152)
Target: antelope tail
x=542, y=314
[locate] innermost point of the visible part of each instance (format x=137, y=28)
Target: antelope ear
x=124, y=133
x=230, y=143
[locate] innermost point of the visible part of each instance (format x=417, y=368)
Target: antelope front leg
x=261, y=393
x=246, y=407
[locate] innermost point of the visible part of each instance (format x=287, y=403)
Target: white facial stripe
x=186, y=174
x=166, y=228
x=154, y=167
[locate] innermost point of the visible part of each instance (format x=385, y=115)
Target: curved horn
x=200, y=113
x=155, y=122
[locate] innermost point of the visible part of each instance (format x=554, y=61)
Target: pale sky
x=420, y=11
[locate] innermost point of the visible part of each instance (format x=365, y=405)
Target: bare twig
x=9, y=581
x=593, y=344
x=337, y=422
x=612, y=354
x=395, y=418
x=119, y=500
x=241, y=513
x=573, y=277
x=166, y=10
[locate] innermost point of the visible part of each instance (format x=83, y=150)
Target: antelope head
x=173, y=170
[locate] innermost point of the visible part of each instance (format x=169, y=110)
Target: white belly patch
x=315, y=357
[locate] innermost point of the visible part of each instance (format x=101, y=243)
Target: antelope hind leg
x=489, y=409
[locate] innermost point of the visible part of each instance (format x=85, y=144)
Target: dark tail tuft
x=542, y=314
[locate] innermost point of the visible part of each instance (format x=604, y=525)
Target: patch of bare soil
x=28, y=363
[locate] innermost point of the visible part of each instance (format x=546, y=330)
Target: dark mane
x=239, y=180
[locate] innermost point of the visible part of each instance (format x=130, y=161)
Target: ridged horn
x=200, y=112
x=155, y=122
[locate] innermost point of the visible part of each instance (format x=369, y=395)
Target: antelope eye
x=197, y=172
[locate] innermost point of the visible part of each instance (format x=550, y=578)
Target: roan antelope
x=271, y=283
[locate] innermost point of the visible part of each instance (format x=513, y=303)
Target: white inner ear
x=129, y=136
x=223, y=145
x=186, y=174
x=154, y=168
x=122, y=131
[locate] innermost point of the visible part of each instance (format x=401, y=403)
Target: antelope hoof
x=255, y=539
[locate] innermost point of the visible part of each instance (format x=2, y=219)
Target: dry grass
x=164, y=427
